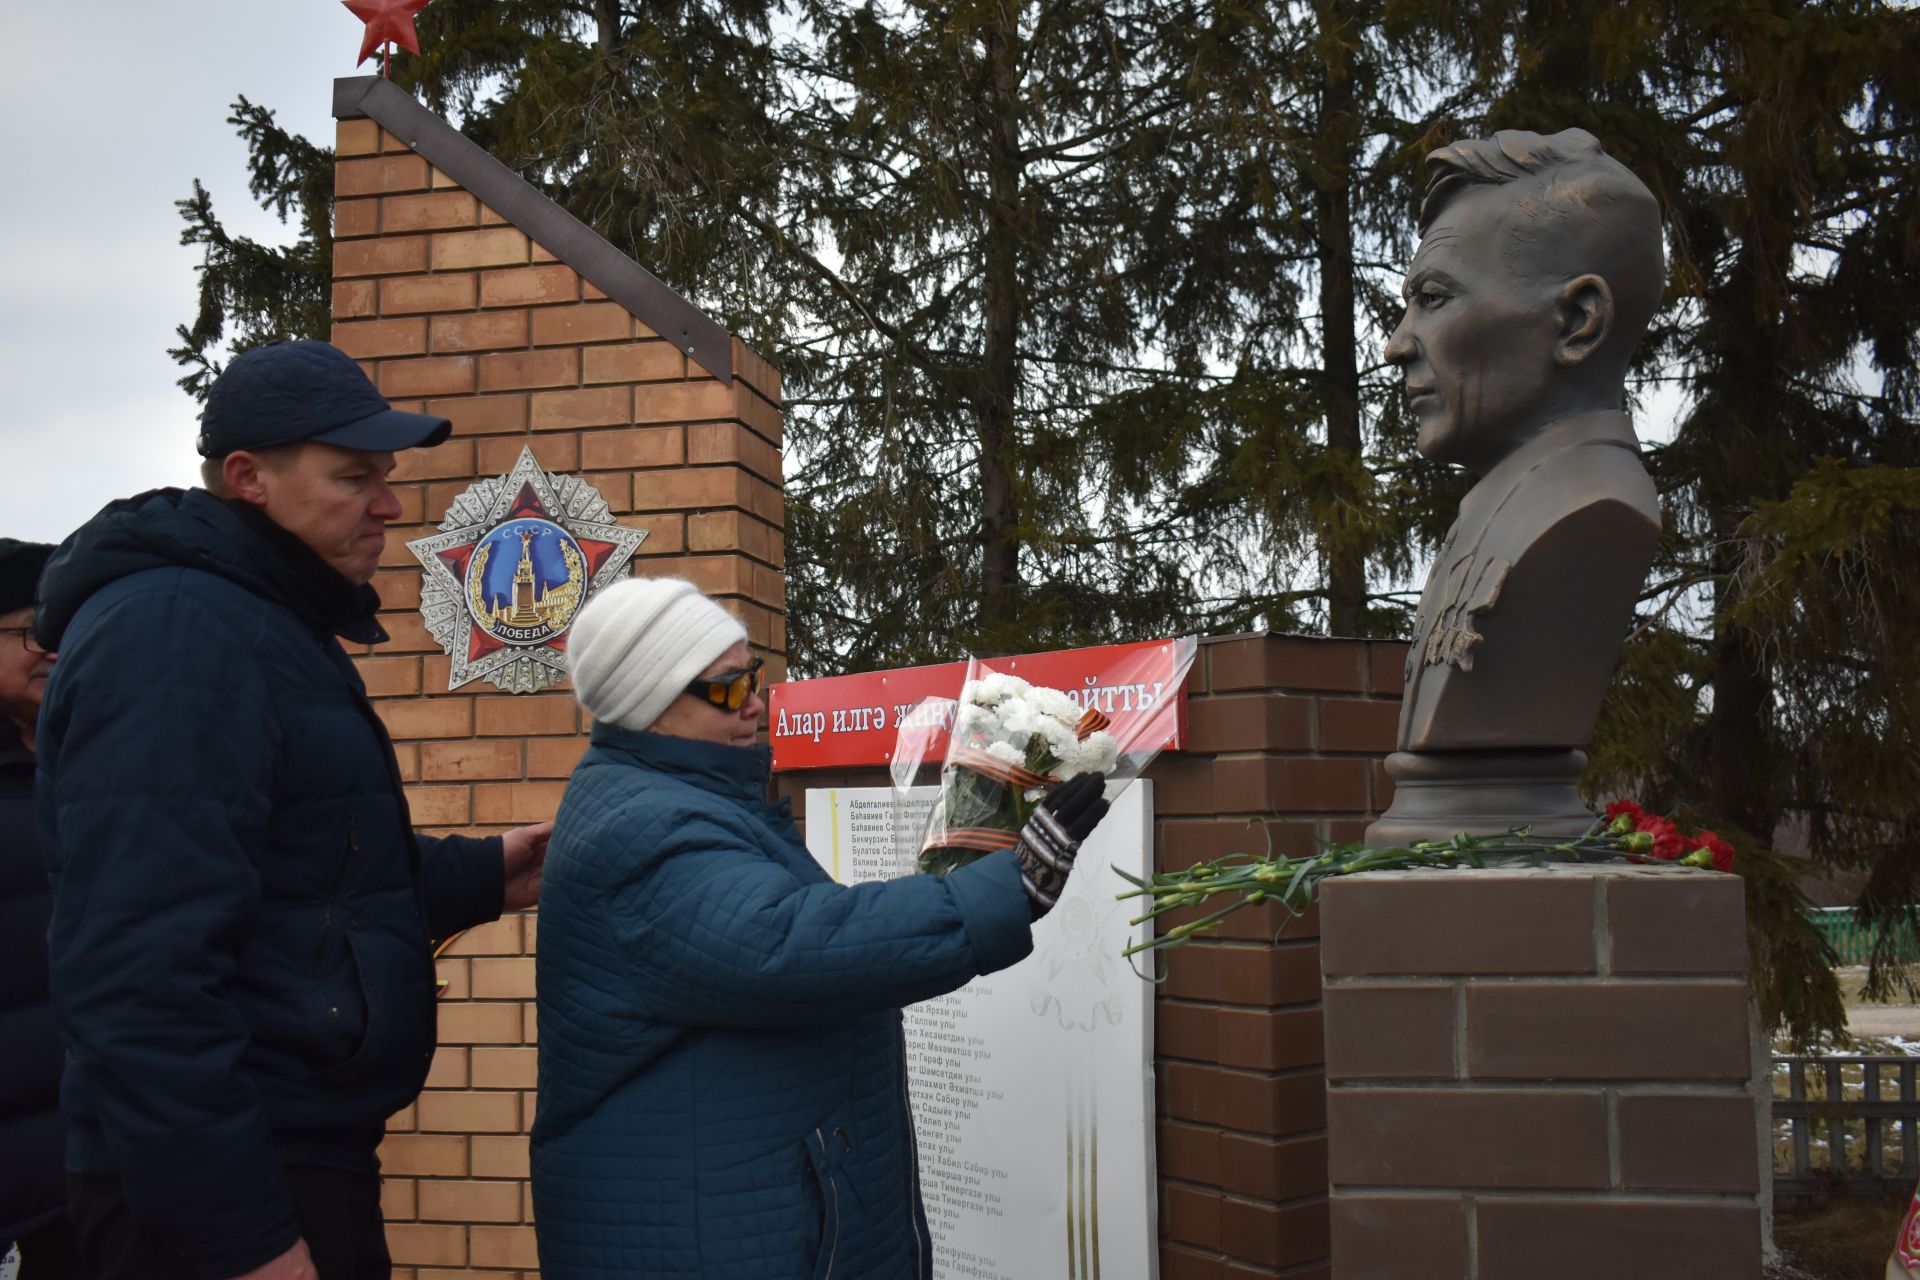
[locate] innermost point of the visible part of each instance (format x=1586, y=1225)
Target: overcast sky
x=107, y=131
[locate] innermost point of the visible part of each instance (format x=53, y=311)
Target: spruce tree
x=1314, y=124
x=249, y=292
x=944, y=223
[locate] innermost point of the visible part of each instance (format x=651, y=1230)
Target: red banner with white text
x=842, y=722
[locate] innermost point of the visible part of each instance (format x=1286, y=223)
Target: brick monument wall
x=1541, y=1073
x=453, y=309
x=1286, y=735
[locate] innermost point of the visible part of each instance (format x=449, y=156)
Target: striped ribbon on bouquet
x=994, y=769
x=1011, y=776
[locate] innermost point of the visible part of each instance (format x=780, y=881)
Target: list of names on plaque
x=1015, y=1073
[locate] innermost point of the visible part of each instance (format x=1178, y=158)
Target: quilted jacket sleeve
x=718, y=934
x=158, y=792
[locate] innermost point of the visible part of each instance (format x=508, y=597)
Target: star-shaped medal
x=511, y=566
x=388, y=22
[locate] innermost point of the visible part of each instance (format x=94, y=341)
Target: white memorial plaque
x=1032, y=1087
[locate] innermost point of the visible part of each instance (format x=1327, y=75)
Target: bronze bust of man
x=1538, y=269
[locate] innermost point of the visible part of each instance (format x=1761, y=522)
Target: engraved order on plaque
x=515, y=559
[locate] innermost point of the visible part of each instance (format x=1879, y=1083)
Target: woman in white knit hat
x=723, y=1087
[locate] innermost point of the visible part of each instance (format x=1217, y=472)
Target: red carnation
x=1669, y=844
x=1623, y=816
x=1722, y=851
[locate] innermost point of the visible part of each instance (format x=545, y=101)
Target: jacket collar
x=739, y=772
x=192, y=529
x=1605, y=427
x=1598, y=426
x=295, y=575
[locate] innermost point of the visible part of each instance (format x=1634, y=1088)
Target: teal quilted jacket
x=723, y=1087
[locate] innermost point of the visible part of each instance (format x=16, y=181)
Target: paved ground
x=1901, y=1020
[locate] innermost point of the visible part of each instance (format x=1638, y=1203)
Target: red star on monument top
x=388, y=22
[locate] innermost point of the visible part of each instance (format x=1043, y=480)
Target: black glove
x=1051, y=839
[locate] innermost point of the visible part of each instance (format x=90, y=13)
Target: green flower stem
x=1294, y=882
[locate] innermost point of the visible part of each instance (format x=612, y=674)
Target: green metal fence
x=1852, y=940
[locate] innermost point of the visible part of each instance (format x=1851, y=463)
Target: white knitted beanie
x=640, y=642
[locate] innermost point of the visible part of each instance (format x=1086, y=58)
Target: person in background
x=723, y=1077
x=242, y=914
x=33, y=1179
x=1904, y=1262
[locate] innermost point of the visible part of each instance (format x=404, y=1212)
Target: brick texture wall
x=452, y=310
x=1540, y=1073
x=1287, y=734
x=1287, y=737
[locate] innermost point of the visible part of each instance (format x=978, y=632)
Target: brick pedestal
x=1540, y=1073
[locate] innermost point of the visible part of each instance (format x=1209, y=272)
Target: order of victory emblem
x=514, y=560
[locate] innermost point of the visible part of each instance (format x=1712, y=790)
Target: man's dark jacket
x=241, y=910
x=32, y=1150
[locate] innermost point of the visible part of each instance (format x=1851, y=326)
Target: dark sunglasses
x=729, y=689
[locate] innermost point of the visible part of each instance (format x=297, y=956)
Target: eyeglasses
x=27, y=639
x=729, y=689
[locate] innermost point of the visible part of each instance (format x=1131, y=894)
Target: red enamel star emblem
x=388, y=22
x=509, y=569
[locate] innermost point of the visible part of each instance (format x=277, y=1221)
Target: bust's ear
x=1585, y=308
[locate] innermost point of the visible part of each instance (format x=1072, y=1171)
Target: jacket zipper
x=333, y=885
x=833, y=1189
x=915, y=1209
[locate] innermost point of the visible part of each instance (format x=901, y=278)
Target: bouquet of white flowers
x=1010, y=743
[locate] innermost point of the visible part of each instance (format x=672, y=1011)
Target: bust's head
x=1538, y=268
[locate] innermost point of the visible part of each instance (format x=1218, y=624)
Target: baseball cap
x=292, y=392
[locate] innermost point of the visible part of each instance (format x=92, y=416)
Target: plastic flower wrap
x=1009, y=743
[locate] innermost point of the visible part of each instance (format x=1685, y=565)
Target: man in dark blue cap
x=242, y=912
x=33, y=1180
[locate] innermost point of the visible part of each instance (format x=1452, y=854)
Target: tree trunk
x=1744, y=471
x=998, y=377
x=1333, y=234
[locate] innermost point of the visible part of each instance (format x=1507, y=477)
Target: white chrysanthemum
x=971, y=720
x=1054, y=703
x=1007, y=752
x=1095, y=755
x=1017, y=718
x=1023, y=723
x=994, y=688
x=1059, y=736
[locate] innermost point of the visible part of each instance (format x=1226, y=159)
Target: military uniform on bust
x=1550, y=546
